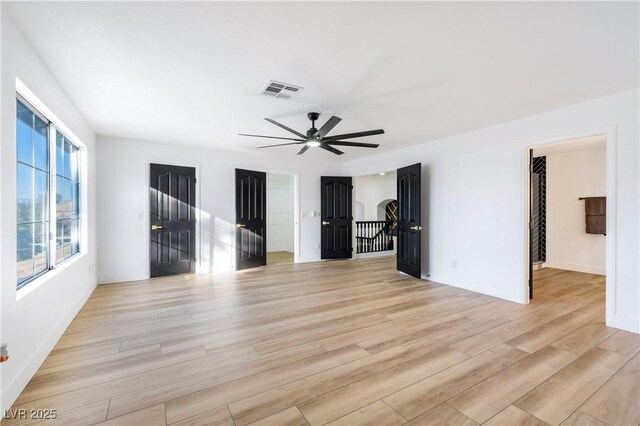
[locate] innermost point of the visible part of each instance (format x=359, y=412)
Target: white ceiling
x=189, y=73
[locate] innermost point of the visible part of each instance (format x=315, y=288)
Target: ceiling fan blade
x=272, y=137
x=356, y=134
x=331, y=149
x=289, y=129
x=328, y=126
x=281, y=144
x=358, y=144
x=303, y=150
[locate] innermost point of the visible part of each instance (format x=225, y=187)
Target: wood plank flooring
x=340, y=343
x=279, y=258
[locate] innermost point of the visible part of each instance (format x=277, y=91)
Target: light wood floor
x=279, y=258
x=340, y=343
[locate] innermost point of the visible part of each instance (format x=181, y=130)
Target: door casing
x=296, y=211
x=610, y=290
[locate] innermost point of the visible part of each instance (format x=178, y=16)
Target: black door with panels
x=172, y=201
x=251, y=224
x=335, y=206
x=409, y=216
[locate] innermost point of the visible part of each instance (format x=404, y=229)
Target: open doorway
x=280, y=219
x=376, y=215
x=388, y=215
x=568, y=218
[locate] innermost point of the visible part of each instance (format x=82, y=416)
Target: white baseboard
x=477, y=288
x=123, y=277
x=307, y=259
x=376, y=254
x=13, y=390
x=280, y=248
x=627, y=323
x=588, y=269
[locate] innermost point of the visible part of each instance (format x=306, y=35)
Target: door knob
x=155, y=227
x=324, y=222
x=416, y=228
x=239, y=225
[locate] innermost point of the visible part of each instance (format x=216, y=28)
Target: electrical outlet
x=454, y=264
x=318, y=246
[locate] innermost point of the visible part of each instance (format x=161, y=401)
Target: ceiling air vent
x=280, y=90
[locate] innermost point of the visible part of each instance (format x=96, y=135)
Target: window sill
x=33, y=285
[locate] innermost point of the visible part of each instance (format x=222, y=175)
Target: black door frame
x=147, y=214
x=530, y=223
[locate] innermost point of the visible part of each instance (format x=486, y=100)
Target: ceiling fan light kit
x=317, y=138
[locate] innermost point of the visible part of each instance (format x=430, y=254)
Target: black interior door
x=335, y=206
x=251, y=224
x=409, y=215
x=531, y=215
x=172, y=199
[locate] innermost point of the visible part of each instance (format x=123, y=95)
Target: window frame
x=59, y=174
x=52, y=171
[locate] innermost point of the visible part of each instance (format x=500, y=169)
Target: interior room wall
x=127, y=188
x=280, y=211
x=474, y=198
x=573, y=174
x=33, y=319
x=370, y=190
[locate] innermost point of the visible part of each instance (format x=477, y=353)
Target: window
x=34, y=171
x=67, y=193
x=32, y=191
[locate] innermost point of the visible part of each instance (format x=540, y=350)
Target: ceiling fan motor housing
x=313, y=116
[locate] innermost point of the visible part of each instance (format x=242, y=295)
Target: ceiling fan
x=318, y=137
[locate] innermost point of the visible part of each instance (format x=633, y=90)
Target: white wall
x=371, y=190
x=33, y=319
x=570, y=175
x=280, y=220
x=123, y=184
x=474, y=199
